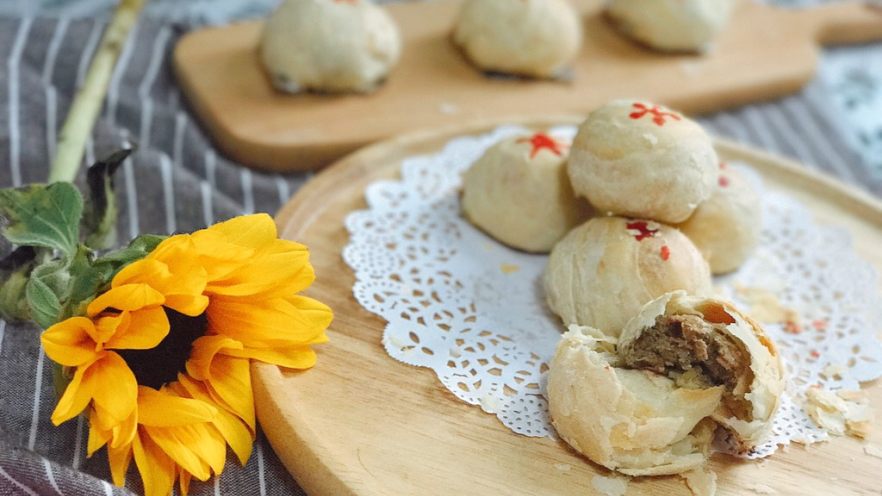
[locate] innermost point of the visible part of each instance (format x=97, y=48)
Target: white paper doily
x=473, y=310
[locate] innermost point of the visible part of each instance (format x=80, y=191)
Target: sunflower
x=161, y=360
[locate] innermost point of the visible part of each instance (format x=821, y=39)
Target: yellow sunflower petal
x=176, y=275
x=97, y=436
x=184, y=480
x=183, y=289
x=115, y=389
x=212, y=447
x=217, y=255
x=119, y=460
x=70, y=342
x=184, y=446
x=126, y=297
x=171, y=247
x=124, y=433
x=281, y=269
x=139, y=330
x=191, y=305
x=252, y=231
x=230, y=383
x=76, y=396
x=164, y=409
x=156, y=468
x=204, y=350
x=278, y=321
x=294, y=357
x=231, y=427
x=108, y=324
x=141, y=271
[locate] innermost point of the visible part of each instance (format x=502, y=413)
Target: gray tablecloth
x=177, y=181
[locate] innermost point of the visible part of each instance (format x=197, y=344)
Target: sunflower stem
x=88, y=100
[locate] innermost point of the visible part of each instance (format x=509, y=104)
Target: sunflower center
x=160, y=365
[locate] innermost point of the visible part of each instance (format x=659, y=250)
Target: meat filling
x=679, y=345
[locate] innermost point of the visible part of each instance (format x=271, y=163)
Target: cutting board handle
x=841, y=23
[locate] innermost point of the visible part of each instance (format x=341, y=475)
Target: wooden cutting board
x=361, y=423
x=765, y=53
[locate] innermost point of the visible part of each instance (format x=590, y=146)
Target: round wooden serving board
x=361, y=423
x=764, y=53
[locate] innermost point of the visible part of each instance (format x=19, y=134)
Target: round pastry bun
x=329, y=46
x=726, y=227
x=679, y=333
x=519, y=193
x=535, y=38
x=649, y=402
x=671, y=25
x=638, y=159
x=633, y=421
x=601, y=273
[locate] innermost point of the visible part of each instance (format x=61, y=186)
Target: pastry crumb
x=762, y=489
x=873, y=450
x=834, y=371
x=840, y=413
x=563, y=467
x=489, y=403
x=610, y=486
x=702, y=482
x=509, y=268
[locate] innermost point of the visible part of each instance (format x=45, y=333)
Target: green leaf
x=137, y=249
x=45, y=291
x=99, y=221
x=87, y=279
x=15, y=269
x=45, y=216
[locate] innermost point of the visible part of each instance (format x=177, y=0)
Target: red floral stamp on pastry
x=642, y=229
x=659, y=116
x=541, y=141
x=664, y=253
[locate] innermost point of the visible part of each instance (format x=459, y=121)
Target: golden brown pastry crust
x=638, y=159
x=726, y=227
x=519, y=193
x=604, y=271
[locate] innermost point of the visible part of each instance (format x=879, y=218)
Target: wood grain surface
x=764, y=53
x=361, y=423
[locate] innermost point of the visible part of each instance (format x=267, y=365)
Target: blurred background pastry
x=329, y=46
x=536, y=38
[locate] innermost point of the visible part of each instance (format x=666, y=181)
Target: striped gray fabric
x=177, y=181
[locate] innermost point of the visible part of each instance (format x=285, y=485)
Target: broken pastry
x=638, y=159
x=726, y=227
x=534, y=38
x=329, y=46
x=634, y=421
x=708, y=341
x=519, y=193
x=649, y=402
x=601, y=273
x=671, y=25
